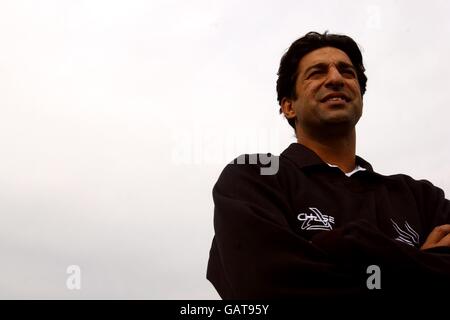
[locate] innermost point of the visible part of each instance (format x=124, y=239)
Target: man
x=325, y=223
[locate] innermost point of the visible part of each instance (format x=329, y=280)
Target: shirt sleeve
x=254, y=253
x=403, y=268
x=432, y=203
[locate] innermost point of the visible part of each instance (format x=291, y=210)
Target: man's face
x=328, y=91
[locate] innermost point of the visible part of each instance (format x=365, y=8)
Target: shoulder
x=417, y=186
x=258, y=168
x=261, y=164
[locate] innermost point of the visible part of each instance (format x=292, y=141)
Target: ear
x=287, y=106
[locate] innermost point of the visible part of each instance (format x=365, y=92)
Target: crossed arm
x=255, y=254
x=439, y=237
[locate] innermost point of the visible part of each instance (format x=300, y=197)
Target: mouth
x=335, y=98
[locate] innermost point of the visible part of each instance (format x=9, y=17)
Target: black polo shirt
x=310, y=229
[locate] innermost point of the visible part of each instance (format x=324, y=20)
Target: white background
x=116, y=118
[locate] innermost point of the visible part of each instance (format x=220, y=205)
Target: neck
x=336, y=149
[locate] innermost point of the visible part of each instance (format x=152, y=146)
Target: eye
x=349, y=73
x=315, y=74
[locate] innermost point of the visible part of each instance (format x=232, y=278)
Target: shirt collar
x=303, y=157
x=348, y=174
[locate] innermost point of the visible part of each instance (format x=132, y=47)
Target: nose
x=334, y=79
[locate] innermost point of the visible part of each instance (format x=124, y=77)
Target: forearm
x=359, y=243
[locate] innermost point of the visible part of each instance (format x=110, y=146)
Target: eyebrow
x=323, y=65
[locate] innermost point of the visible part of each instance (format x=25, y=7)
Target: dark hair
x=288, y=70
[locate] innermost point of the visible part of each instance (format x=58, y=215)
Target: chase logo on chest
x=315, y=220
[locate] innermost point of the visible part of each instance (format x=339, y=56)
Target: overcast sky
x=116, y=118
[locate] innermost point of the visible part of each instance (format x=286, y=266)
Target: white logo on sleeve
x=315, y=220
x=406, y=235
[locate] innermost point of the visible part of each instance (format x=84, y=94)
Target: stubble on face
x=324, y=72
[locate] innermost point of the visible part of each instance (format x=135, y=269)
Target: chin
x=340, y=116
x=342, y=122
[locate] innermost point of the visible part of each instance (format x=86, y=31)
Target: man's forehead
x=325, y=55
